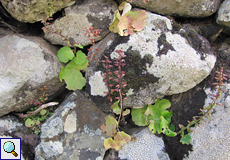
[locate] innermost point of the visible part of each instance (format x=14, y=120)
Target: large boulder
x=73, y=131
x=160, y=61
x=27, y=64
x=181, y=8
x=90, y=13
x=33, y=11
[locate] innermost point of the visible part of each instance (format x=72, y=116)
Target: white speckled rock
x=27, y=64
x=223, y=14
x=89, y=13
x=147, y=147
x=160, y=61
x=73, y=131
x=211, y=141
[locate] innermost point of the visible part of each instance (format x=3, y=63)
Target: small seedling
x=39, y=113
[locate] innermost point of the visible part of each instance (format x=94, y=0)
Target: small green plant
x=156, y=117
x=34, y=122
x=77, y=60
x=115, y=83
x=39, y=113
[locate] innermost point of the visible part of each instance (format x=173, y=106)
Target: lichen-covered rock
x=73, y=131
x=182, y=8
x=223, y=16
x=211, y=140
x=33, y=11
x=148, y=146
x=160, y=61
x=27, y=64
x=90, y=13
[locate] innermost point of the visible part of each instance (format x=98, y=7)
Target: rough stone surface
x=11, y=127
x=28, y=63
x=147, y=147
x=211, y=140
x=90, y=13
x=33, y=11
x=182, y=8
x=157, y=64
x=224, y=50
x=223, y=14
x=73, y=131
x=223, y=17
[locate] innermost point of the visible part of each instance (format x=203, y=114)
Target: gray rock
x=147, y=147
x=33, y=11
x=211, y=140
x=224, y=50
x=90, y=13
x=28, y=63
x=191, y=8
x=159, y=62
x=73, y=131
x=223, y=17
x=223, y=14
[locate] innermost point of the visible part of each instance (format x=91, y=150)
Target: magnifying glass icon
x=9, y=147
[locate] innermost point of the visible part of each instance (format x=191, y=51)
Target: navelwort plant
x=117, y=138
x=77, y=60
x=158, y=119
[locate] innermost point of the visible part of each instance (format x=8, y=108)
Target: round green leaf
x=29, y=123
x=117, y=110
x=138, y=116
x=186, y=140
x=80, y=58
x=73, y=78
x=65, y=54
x=43, y=112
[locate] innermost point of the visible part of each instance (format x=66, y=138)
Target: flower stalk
x=220, y=77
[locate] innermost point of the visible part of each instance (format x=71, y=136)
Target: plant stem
x=220, y=77
x=21, y=115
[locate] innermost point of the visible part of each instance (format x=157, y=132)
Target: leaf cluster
x=156, y=117
x=34, y=122
x=78, y=61
x=117, y=139
x=129, y=21
x=71, y=73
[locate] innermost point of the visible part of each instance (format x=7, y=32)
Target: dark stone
x=184, y=106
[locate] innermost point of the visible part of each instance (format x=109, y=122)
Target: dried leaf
x=110, y=126
x=132, y=21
